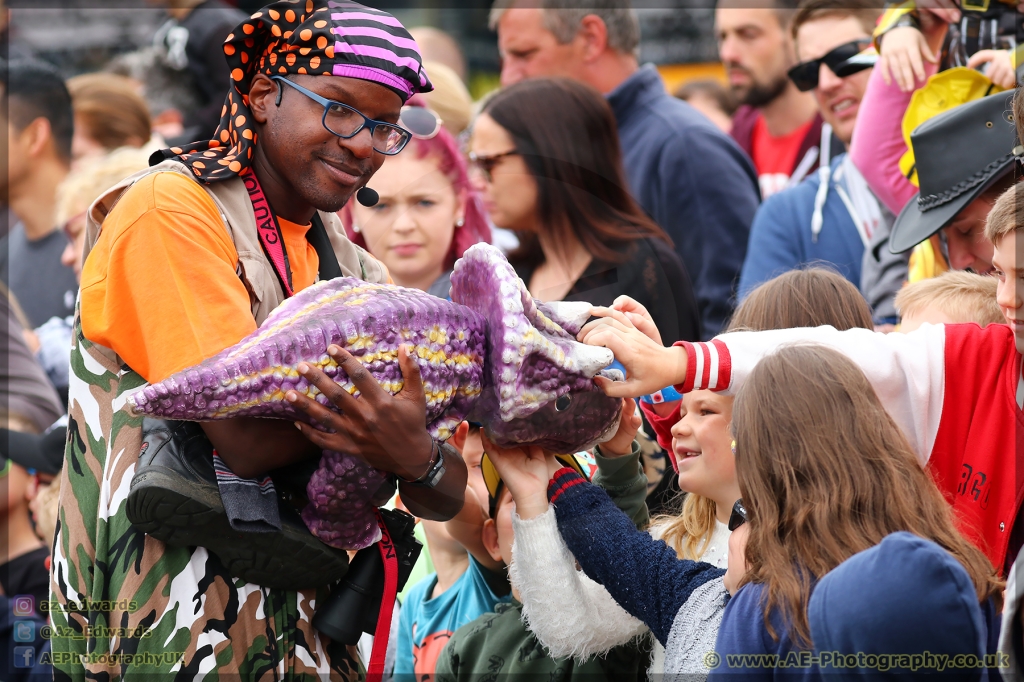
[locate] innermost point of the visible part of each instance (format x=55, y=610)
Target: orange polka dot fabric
x=314, y=37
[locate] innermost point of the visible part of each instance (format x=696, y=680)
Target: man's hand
x=526, y=472
x=387, y=431
x=621, y=444
x=649, y=365
x=1000, y=66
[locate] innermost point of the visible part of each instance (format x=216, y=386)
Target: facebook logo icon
x=24, y=656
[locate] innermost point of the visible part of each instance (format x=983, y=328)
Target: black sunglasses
x=844, y=61
x=738, y=516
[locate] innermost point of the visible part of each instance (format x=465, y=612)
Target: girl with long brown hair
x=825, y=473
x=548, y=165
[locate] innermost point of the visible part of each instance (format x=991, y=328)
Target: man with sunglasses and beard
x=181, y=261
x=832, y=216
x=777, y=125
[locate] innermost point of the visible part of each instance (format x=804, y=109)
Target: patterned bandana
x=316, y=37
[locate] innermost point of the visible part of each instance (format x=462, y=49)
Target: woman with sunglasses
x=824, y=473
x=548, y=164
x=427, y=214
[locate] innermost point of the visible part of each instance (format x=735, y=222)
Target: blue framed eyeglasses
x=344, y=121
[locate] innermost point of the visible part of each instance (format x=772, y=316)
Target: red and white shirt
x=956, y=391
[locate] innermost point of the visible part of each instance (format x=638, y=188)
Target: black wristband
x=435, y=470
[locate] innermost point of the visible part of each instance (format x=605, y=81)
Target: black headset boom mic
x=367, y=197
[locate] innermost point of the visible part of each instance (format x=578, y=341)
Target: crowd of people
x=811, y=278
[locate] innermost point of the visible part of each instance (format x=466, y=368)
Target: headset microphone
x=367, y=197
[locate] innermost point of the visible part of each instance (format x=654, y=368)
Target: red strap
x=269, y=231
x=375, y=671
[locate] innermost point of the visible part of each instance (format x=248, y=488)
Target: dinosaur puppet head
x=538, y=379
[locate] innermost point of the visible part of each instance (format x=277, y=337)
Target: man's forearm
x=252, y=446
x=442, y=502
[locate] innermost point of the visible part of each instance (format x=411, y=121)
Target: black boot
x=175, y=499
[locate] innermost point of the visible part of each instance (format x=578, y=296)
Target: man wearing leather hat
x=965, y=158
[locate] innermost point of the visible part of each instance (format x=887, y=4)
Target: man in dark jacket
x=688, y=175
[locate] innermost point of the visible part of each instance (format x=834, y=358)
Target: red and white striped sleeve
x=708, y=366
x=907, y=371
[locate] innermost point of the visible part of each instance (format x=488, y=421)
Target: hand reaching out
x=621, y=444
x=637, y=314
x=649, y=365
x=525, y=472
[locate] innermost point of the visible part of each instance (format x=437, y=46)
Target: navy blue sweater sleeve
x=710, y=194
x=642, y=574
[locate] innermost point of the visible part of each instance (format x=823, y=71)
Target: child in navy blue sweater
x=824, y=472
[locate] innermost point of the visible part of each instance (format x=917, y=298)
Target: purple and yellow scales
x=492, y=355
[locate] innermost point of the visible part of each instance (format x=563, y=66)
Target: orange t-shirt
x=160, y=287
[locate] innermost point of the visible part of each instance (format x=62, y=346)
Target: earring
x=355, y=228
x=460, y=222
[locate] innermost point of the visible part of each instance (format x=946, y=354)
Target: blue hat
x=894, y=611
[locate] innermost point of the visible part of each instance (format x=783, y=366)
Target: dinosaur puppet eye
x=563, y=402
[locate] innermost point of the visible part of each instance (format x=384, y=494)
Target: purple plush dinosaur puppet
x=494, y=356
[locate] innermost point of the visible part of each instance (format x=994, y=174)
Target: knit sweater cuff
x=563, y=479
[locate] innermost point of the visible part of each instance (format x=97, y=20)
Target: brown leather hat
x=959, y=154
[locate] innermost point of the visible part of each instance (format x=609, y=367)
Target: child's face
x=928, y=315
x=1008, y=261
x=472, y=453
x=702, y=445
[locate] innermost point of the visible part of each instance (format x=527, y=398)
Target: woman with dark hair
x=548, y=164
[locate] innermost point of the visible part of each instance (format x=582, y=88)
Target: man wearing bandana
x=177, y=271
